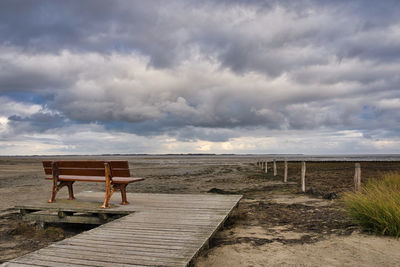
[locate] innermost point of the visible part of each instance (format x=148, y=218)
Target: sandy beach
x=275, y=224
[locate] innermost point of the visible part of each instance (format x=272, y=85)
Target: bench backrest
x=88, y=168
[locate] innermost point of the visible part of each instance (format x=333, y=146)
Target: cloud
x=210, y=71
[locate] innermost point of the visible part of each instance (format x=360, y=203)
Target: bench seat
x=118, y=180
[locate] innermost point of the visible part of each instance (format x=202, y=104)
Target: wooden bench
x=115, y=174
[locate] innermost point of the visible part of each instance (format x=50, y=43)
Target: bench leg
x=107, y=197
x=123, y=194
x=56, y=187
x=54, y=190
x=70, y=191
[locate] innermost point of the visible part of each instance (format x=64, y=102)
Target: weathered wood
x=266, y=166
x=87, y=164
x=55, y=188
x=109, y=191
x=62, y=214
x=16, y=264
x=303, y=176
x=275, y=170
x=111, y=258
x=32, y=208
x=123, y=251
x=45, y=261
x=170, y=236
x=285, y=173
x=126, y=245
x=54, y=218
x=99, y=179
x=60, y=259
x=357, y=178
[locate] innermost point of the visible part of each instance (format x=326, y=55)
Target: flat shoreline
x=276, y=224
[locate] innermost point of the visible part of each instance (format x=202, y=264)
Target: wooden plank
x=145, y=240
x=52, y=260
x=86, y=163
x=93, y=176
x=134, y=231
x=160, y=236
x=73, y=206
x=173, y=229
x=128, y=246
x=44, y=261
x=181, y=222
x=16, y=264
x=54, y=218
x=123, y=251
x=163, y=196
x=165, y=230
x=88, y=172
x=79, y=205
x=170, y=217
x=110, y=257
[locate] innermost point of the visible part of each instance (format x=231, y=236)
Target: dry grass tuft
x=377, y=208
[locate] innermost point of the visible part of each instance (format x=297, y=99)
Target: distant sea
x=280, y=157
x=355, y=157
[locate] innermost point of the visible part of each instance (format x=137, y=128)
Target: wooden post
x=275, y=171
x=303, y=176
x=357, y=178
x=285, y=172
x=266, y=167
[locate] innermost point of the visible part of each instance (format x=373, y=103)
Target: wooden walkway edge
x=164, y=230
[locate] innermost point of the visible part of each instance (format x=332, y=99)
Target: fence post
x=357, y=178
x=303, y=176
x=275, y=171
x=285, y=173
x=266, y=166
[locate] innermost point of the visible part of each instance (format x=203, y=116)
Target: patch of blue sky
x=27, y=97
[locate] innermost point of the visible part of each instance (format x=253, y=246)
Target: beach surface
x=275, y=224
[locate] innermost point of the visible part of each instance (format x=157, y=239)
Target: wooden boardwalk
x=164, y=230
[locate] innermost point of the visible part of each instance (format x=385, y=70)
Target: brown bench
x=115, y=174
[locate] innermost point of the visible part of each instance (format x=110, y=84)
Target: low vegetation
x=377, y=208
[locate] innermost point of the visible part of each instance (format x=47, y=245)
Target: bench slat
x=80, y=172
x=89, y=172
x=118, y=180
x=87, y=164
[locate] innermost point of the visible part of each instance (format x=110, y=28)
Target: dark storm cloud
x=38, y=122
x=263, y=41
x=203, y=70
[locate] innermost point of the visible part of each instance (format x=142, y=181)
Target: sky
x=204, y=76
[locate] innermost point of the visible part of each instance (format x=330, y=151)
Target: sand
x=275, y=225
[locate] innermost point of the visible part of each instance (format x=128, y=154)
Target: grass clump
x=377, y=208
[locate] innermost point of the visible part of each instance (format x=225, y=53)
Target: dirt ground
x=275, y=224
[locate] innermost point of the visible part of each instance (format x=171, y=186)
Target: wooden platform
x=164, y=230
